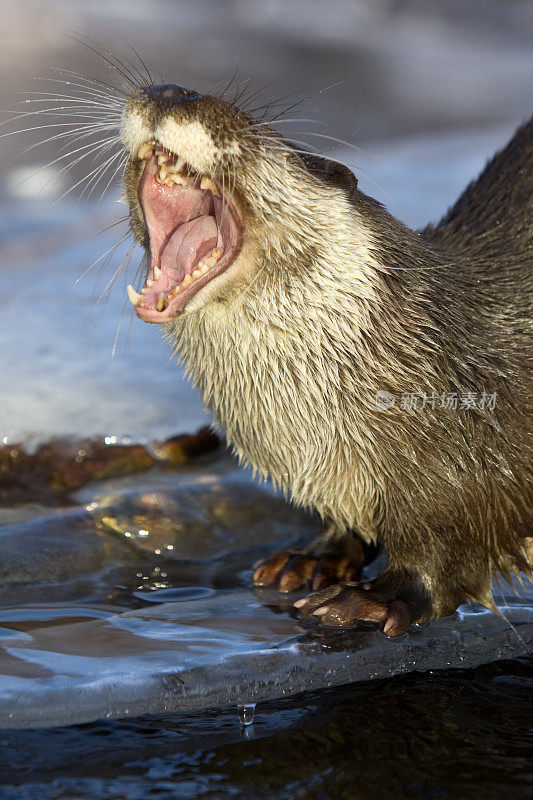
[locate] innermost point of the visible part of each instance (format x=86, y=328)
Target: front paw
x=290, y=571
x=345, y=604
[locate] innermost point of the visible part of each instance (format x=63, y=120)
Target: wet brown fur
x=448, y=493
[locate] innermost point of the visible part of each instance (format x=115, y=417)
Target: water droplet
x=246, y=714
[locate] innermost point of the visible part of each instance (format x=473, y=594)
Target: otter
x=377, y=375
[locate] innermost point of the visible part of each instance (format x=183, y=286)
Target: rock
x=181, y=449
x=60, y=466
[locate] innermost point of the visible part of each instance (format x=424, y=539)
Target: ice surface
x=139, y=603
x=232, y=648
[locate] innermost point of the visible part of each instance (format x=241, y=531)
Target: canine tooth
x=186, y=281
x=135, y=299
x=207, y=183
x=161, y=302
x=157, y=273
x=145, y=151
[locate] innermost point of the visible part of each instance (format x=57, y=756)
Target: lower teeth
x=201, y=268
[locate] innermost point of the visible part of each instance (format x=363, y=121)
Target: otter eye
x=166, y=95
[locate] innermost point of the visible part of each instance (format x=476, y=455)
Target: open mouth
x=195, y=233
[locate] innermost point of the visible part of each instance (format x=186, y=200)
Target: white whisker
x=333, y=139
x=266, y=123
x=126, y=305
x=85, y=177
x=88, y=90
x=105, y=87
x=85, y=96
x=117, y=272
x=103, y=169
x=57, y=175
x=107, y=252
x=113, y=61
x=57, y=136
x=101, y=145
x=97, y=173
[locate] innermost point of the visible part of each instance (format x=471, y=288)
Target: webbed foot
x=394, y=604
x=290, y=571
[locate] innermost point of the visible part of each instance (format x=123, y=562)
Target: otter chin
x=306, y=314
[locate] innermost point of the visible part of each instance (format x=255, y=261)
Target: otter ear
x=331, y=172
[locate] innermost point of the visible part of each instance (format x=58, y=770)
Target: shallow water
x=458, y=734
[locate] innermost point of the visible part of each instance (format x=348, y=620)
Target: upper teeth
x=168, y=172
x=207, y=183
x=135, y=298
x=146, y=150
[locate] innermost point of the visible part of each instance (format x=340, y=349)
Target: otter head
x=212, y=195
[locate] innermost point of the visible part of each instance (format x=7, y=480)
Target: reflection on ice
x=173, y=595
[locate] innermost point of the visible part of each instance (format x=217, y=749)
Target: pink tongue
x=188, y=245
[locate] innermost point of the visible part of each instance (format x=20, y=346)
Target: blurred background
x=426, y=89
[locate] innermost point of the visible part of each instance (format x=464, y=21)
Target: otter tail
x=494, y=215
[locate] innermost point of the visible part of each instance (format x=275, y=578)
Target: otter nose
x=170, y=94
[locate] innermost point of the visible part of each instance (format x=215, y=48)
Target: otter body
x=377, y=375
